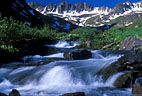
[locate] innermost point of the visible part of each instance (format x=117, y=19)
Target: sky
x=95, y=3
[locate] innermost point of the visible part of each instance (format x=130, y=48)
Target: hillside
x=20, y=11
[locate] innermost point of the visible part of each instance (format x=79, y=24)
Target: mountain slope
x=20, y=11
x=84, y=14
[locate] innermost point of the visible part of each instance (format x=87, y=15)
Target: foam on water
x=37, y=58
x=56, y=55
x=65, y=44
x=60, y=77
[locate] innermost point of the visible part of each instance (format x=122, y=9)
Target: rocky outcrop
x=130, y=64
x=137, y=88
x=36, y=6
x=128, y=12
x=78, y=55
x=131, y=61
x=104, y=9
x=65, y=6
x=75, y=94
x=131, y=43
x=120, y=9
x=83, y=7
x=51, y=8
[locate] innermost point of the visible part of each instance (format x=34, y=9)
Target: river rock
x=132, y=61
x=14, y=92
x=131, y=43
x=137, y=88
x=78, y=55
x=127, y=80
x=124, y=81
x=2, y=94
x=75, y=94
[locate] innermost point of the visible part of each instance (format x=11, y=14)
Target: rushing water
x=63, y=76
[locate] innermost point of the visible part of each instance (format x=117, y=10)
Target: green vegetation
x=98, y=39
x=15, y=35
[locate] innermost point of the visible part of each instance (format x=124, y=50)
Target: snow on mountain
x=84, y=14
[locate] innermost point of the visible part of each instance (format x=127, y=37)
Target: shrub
x=19, y=33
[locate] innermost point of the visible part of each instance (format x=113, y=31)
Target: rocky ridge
x=84, y=14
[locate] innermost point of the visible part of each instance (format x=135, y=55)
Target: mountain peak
x=80, y=13
x=120, y=8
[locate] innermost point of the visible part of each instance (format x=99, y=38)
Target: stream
x=61, y=76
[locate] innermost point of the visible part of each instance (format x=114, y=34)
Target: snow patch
x=129, y=24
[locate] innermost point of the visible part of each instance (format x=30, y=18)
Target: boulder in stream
x=75, y=94
x=132, y=61
x=78, y=55
x=127, y=80
x=124, y=81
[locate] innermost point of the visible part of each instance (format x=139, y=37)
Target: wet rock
x=131, y=61
x=75, y=94
x=14, y=92
x=2, y=94
x=78, y=55
x=137, y=88
x=124, y=81
x=139, y=57
x=127, y=80
x=130, y=57
x=131, y=43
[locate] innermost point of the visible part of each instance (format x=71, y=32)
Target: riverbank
x=17, y=39
x=24, y=49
